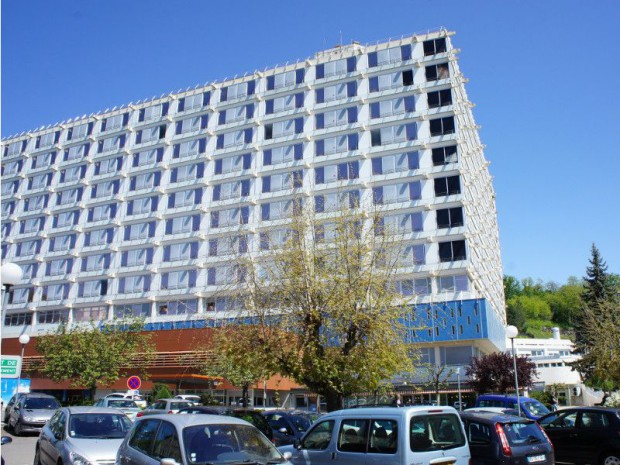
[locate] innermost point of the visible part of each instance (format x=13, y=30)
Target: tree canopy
x=88, y=355
x=495, y=373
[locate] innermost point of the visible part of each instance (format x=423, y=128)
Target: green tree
x=88, y=355
x=565, y=304
x=515, y=315
x=512, y=287
x=495, y=373
x=436, y=377
x=160, y=391
x=325, y=306
x=598, y=284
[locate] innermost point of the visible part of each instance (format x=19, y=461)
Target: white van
x=384, y=436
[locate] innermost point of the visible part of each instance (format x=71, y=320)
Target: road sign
x=134, y=382
x=11, y=366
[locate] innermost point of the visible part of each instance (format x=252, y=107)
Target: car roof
x=594, y=408
x=492, y=417
x=37, y=394
x=183, y=421
x=400, y=411
x=94, y=410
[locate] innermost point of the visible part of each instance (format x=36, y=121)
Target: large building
x=139, y=209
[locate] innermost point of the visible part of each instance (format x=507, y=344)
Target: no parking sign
x=134, y=383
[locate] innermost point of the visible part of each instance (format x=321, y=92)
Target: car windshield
x=535, y=408
x=41, y=403
x=226, y=443
x=435, y=432
x=520, y=434
x=301, y=422
x=122, y=404
x=98, y=425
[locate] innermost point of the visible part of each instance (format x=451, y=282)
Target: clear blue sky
x=543, y=74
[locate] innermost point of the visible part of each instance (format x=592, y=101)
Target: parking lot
x=21, y=450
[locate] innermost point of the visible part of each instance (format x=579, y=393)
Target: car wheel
x=611, y=459
x=37, y=457
x=17, y=428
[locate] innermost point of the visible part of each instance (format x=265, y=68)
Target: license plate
x=536, y=458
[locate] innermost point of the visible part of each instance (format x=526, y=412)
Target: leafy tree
x=598, y=285
x=236, y=359
x=436, y=377
x=512, y=287
x=160, y=391
x=565, y=304
x=515, y=315
x=495, y=373
x=88, y=355
x=324, y=304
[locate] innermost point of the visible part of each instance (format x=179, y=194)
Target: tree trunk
x=244, y=396
x=333, y=400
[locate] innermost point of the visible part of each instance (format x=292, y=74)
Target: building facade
x=137, y=211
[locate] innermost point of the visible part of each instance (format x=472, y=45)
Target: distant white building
x=553, y=357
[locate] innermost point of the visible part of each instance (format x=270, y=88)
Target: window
x=238, y=137
x=283, y=154
x=352, y=435
x=36, y=202
x=456, y=283
x=393, y=193
x=21, y=296
x=183, y=224
x=233, y=164
x=439, y=98
x=185, y=198
x=45, y=160
x=289, y=78
x=111, y=165
x=18, y=319
x=194, y=102
x=230, y=217
x=449, y=218
x=442, y=126
x=336, y=67
x=412, y=254
x=336, y=92
x=392, y=107
x=396, y=163
x=80, y=131
x=54, y=292
x=143, y=437
x=383, y=437
x=189, y=148
x=143, y=205
x=46, y=140
x=183, y=251
x=99, y=237
x=389, y=55
x=140, y=231
x=76, y=153
x=133, y=284
x=102, y=212
x=224, y=274
x=336, y=118
x=400, y=224
x=237, y=91
x=178, y=279
x=9, y=207
x=336, y=201
x=231, y=190
x=94, y=288
x=153, y=112
x=96, y=262
x=221, y=304
x=28, y=248
x=193, y=124
x=90, y=313
x=236, y=114
x=284, y=128
x=31, y=225
x=39, y=181
x=437, y=72
x=53, y=316
x=394, y=134
x=434, y=46
x=284, y=103
x=104, y=189
x=390, y=81
x=450, y=185
x=62, y=243
x=336, y=144
x=319, y=436
x=111, y=144
x=59, y=267
x=187, y=172
x=9, y=188
x=435, y=432
x=452, y=251
x=137, y=257
x=113, y=123
x=410, y=287
x=12, y=168
x=167, y=443
x=228, y=246
x=278, y=210
x=445, y=155
x=15, y=148
x=283, y=181
x=274, y=238
x=178, y=307
x=144, y=136
x=69, y=196
x=72, y=174
x=339, y=172
x=148, y=157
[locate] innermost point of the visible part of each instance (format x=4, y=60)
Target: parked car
x=81, y=435
x=30, y=412
x=9, y=406
x=128, y=407
x=165, y=406
x=287, y=425
x=501, y=439
x=196, y=439
x=137, y=398
x=190, y=397
x=506, y=411
x=5, y=440
x=584, y=434
x=384, y=435
x=531, y=408
x=251, y=416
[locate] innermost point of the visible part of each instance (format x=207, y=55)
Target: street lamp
x=23, y=340
x=511, y=333
x=458, y=383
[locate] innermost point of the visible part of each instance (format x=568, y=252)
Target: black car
x=251, y=416
x=288, y=425
x=499, y=439
x=583, y=435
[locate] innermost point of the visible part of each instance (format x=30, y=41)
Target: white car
x=189, y=397
x=138, y=399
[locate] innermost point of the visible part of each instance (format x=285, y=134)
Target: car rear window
x=41, y=403
x=435, y=432
x=520, y=434
x=536, y=408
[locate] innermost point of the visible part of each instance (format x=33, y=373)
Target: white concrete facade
x=138, y=210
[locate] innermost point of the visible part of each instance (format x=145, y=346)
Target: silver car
x=196, y=439
x=165, y=406
x=128, y=407
x=82, y=435
x=30, y=412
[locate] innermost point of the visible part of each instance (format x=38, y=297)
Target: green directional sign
x=11, y=366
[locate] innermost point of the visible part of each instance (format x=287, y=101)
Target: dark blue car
x=287, y=425
x=530, y=408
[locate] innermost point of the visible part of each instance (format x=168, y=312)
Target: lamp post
x=458, y=383
x=23, y=340
x=511, y=333
x=10, y=275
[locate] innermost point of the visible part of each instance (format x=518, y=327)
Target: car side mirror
x=169, y=462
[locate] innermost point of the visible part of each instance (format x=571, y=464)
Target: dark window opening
x=447, y=186
x=452, y=251
x=436, y=72
x=439, y=98
x=432, y=47
x=444, y=155
x=449, y=218
x=408, y=78
x=442, y=126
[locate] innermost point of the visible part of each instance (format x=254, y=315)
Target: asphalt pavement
x=21, y=450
